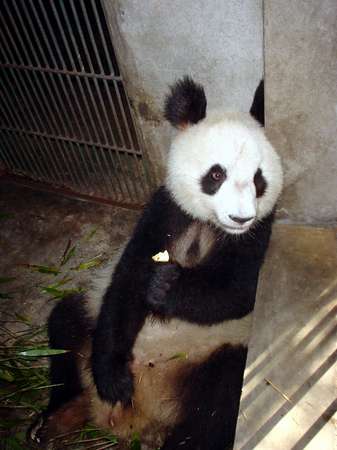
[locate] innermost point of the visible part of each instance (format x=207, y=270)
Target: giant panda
x=160, y=347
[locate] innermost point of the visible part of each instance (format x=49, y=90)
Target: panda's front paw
x=115, y=385
x=164, y=277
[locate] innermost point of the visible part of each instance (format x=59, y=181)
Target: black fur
x=221, y=288
x=212, y=181
x=260, y=183
x=257, y=108
x=186, y=103
x=68, y=328
x=211, y=394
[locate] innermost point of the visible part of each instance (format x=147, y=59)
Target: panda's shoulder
x=162, y=212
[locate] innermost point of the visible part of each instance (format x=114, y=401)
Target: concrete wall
x=301, y=104
x=218, y=42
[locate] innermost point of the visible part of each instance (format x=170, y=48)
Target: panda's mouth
x=236, y=230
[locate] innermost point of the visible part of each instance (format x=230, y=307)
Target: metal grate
x=64, y=113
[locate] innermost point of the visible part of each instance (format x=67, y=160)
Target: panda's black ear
x=185, y=104
x=257, y=108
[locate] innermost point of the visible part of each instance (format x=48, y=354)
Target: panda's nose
x=240, y=220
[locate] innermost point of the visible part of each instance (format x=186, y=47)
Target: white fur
x=100, y=283
x=237, y=143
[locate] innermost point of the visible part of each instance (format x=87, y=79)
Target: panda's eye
x=213, y=179
x=217, y=175
x=260, y=183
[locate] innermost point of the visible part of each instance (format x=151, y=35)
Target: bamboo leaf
x=23, y=319
x=68, y=253
x=42, y=352
x=90, y=234
x=181, y=355
x=135, y=443
x=61, y=293
x=50, y=270
x=94, y=262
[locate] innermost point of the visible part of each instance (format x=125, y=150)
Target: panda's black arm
x=221, y=289
x=124, y=307
x=205, y=298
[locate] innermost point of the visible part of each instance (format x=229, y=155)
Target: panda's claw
x=117, y=386
x=164, y=278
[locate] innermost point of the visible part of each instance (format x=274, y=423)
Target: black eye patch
x=260, y=183
x=213, y=179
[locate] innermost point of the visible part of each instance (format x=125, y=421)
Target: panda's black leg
x=68, y=329
x=211, y=396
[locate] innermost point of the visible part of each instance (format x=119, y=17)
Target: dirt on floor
x=48, y=245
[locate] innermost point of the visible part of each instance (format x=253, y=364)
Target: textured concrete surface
x=289, y=394
x=219, y=43
x=38, y=230
x=301, y=104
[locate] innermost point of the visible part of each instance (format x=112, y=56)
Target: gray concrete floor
x=289, y=393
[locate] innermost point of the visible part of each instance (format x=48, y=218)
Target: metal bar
x=105, y=47
x=72, y=38
x=73, y=156
x=61, y=71
x=115, y=115
x=79, y=83
x=85, y=47
x=59, y=53
x=120, y=134
x=90, y=160
x=27, y=16
x=14, y=118
x=18, y=165
x=97, y=87
x=98, y=91
x=12, y=72
x=60, y=146
x=121, y=107
x=17, y=35
x=102, y=173
x=26, y=101
x=59, y=171
x=91, y=36
x=112, y=105
x=30, y=162
x=85, y=165
x=37, y=153
x=74, y=141
x=32, y=87
x=65, y=42
x=44, y=56
x=62, y=34
x=80, y=32
x=25, y=181
x=41, y=50
x=62, y=138
x=7, y=155
x=131, y=123
x=36, y=78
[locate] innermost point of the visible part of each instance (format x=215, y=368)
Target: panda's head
x=221, y=168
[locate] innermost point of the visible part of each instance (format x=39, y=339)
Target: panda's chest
x=192, y=246
x=162, y=342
